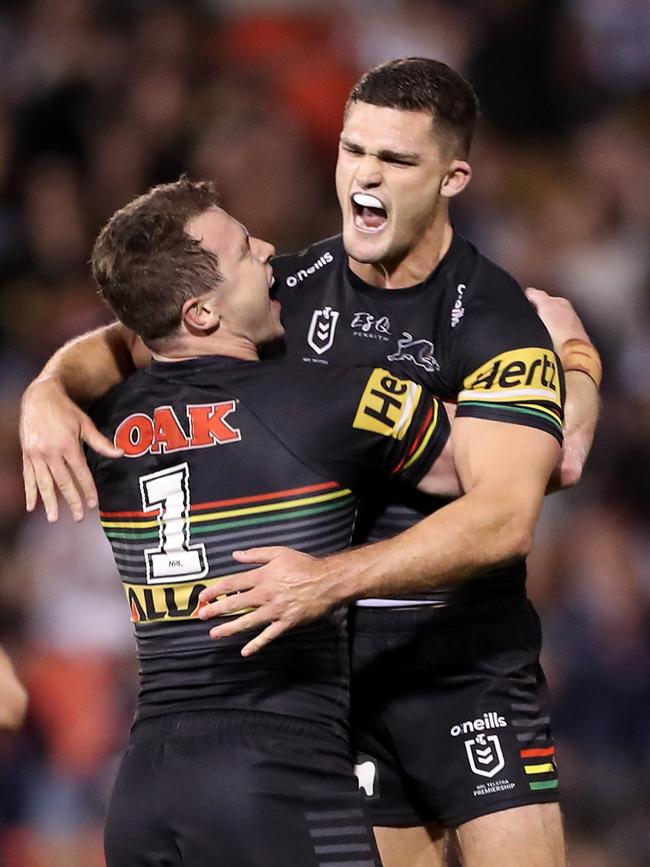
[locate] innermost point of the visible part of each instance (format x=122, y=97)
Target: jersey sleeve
x=398, y=424
x=507, y=369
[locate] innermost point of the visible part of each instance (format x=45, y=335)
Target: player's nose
x=368, y=172
x=264, y=250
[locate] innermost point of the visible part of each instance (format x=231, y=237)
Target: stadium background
x=98, y=100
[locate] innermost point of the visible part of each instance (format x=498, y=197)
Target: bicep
x=442, y=479
x=511, y=461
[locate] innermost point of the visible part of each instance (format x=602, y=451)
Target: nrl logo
x=485, y=755
x=321, y=330
x=420, y=352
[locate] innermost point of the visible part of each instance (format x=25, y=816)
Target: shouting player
x=451, y=721
x=450, y=714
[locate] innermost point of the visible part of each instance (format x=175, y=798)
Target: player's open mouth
x=369, y=212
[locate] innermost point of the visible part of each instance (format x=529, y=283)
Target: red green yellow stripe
x=259, y=498
x=219, y=526
x=537, y=753
x=546, y=768
x=231, y=513
x=425, y=441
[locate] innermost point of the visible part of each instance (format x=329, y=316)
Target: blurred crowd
x=99, y=100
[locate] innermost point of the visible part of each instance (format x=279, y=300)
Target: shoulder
x=489, y=298
x=486, y=282
x=121, y=398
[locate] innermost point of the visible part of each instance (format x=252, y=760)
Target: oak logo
x=140, y=433
x=387, y=404
x=530, y=372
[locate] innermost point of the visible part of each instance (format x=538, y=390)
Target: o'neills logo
x=489, y=720
x=140, y=433
x=299, y=276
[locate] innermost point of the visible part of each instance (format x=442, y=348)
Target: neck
x=187, y=346
x=412, y=268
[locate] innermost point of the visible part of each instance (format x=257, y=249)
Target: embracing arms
x=504, y=470
x=53, y=427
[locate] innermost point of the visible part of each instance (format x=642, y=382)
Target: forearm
x=472, y=534
x=88, y=366
x=581, y=412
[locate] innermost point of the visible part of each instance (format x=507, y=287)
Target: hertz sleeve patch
x=521, y=385
x=387, y=404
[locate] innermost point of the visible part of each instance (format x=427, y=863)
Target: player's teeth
x=366, y=201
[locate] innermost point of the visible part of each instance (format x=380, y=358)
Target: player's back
x=203, y=475
x=220, y=455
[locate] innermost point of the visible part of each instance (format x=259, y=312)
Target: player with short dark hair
x=450, y=709
x=401, y=287
x=233, y=761
x=427, y=85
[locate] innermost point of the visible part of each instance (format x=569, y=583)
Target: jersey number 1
x=167, y=493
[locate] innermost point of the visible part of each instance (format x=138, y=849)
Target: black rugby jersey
x=467, y=332
x=220, y=455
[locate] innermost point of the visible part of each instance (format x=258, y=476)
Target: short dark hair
x=146, y=265
x=423, y=84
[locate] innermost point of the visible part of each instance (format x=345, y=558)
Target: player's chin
x=362, y=246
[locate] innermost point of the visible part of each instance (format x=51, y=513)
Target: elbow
x=570, y=471
x=521, y=544
x=515, y=542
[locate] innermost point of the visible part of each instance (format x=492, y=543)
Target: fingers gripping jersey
x=222, y=455
x=467, y=332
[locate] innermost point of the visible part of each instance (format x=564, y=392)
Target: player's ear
x=457, y=177
x=201, y=314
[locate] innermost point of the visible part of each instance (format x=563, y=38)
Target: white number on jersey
x=167, y=493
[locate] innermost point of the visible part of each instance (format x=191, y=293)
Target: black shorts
x=450, y=715
x=236, y=789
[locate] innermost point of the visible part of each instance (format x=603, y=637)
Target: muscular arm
x=53, y=427
x=581, y=411
x=582, y=405
x=504, y=470
x=87, y=366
